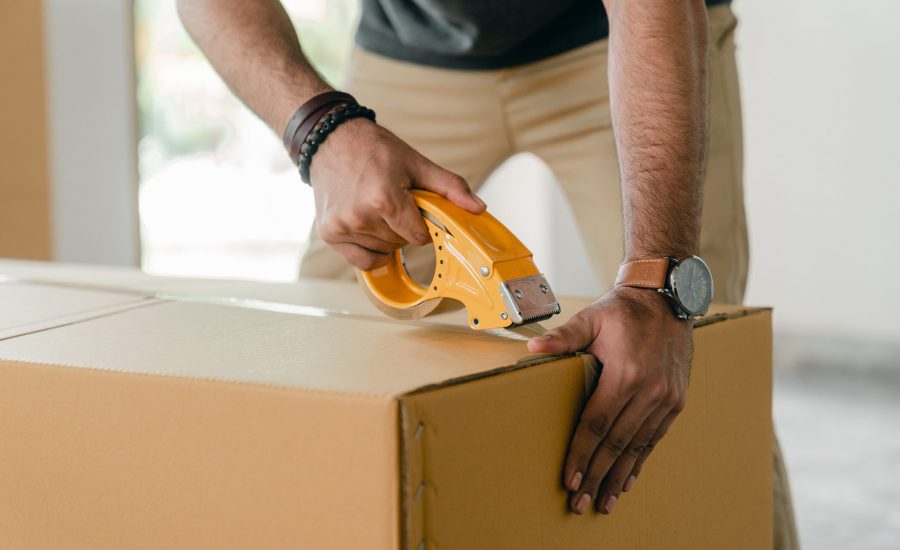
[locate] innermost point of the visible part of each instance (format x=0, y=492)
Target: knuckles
x=329, y=232
x=597, y=425
x=634, y=379
x=658, y=393
x=458, y=182
x=614, y=445
x=369, y=262
x=382, y=204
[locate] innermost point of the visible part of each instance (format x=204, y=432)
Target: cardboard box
x=131, y=419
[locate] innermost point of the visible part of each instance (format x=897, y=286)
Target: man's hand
x=646, y=355
x=361, y=177
x=362, y=173
x=658, y=98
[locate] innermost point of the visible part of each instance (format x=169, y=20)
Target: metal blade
x=522, y=333
x=530, y=330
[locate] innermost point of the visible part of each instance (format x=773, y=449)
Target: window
x=218, y=195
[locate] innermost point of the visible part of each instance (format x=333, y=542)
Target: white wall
x=821, y=100
x=93, y=130
x=821, y=92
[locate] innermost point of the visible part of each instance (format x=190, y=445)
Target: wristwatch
x=687, y=283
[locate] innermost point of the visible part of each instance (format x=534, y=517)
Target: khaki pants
x=469, y=122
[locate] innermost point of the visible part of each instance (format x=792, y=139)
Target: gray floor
x=840, y=432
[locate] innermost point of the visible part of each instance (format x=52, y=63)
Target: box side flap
x=29, y=307
x=153, y=462
x=484, y=459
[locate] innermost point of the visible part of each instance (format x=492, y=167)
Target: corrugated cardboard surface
x=26, y=307
x=93, y=459
x=497, y=483
x=230, y=343
x=200, y=425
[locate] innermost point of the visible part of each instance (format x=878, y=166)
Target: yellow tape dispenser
x=478, y=262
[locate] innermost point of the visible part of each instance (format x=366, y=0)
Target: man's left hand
x=646, y=355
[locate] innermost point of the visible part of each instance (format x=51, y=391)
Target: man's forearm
x=658, y=94
x=253, y=46
x=657, y=81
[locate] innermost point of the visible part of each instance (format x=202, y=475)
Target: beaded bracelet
x=308, y=115
x=327, y=125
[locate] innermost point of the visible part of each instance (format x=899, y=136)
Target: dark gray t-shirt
x=480, y=34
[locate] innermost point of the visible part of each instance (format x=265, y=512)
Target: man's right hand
x=362, y=173
x=362, y=176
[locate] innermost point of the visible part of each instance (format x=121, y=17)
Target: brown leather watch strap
x=313, y=106
x=649, y=273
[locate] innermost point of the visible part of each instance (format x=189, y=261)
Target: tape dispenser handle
x=391, y=287
x=474, y=254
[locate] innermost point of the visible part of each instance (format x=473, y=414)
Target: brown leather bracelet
x=292, y=137
x=309, y=125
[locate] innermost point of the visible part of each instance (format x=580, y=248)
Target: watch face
x=692, y=285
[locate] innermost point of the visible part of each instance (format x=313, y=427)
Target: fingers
x=451, y=186
x=620, y=472
x=361, y=258
x=575, y=335
x=648, y=448
x=605, y=447
x=406, y=221
x=388, y=213
x=368, y=222
x=597, y=419
x=640, y=392
x=372, y=243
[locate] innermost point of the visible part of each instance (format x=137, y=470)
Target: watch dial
x=693, y=285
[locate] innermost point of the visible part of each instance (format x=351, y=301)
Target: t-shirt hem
x=398, y=52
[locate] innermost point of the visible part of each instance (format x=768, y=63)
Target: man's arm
x=658, y=95
x=254, y=47
x=362, y=174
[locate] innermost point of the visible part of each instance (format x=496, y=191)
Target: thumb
x=576, y=334
x=453, y=187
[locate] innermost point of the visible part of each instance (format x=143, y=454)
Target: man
x=641, y=93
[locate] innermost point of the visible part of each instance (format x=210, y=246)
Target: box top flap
x=331, y=353
x=30, y=307
x=318, y=335
x=340, y=296
x=106, y=277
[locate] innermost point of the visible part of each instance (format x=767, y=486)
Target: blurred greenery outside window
x=218, y=195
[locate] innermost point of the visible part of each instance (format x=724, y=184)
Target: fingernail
x=575, y=482
x=610, y=503
x=581, y=505
x=629, y=483
x=480, y=201
x=543, y=338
